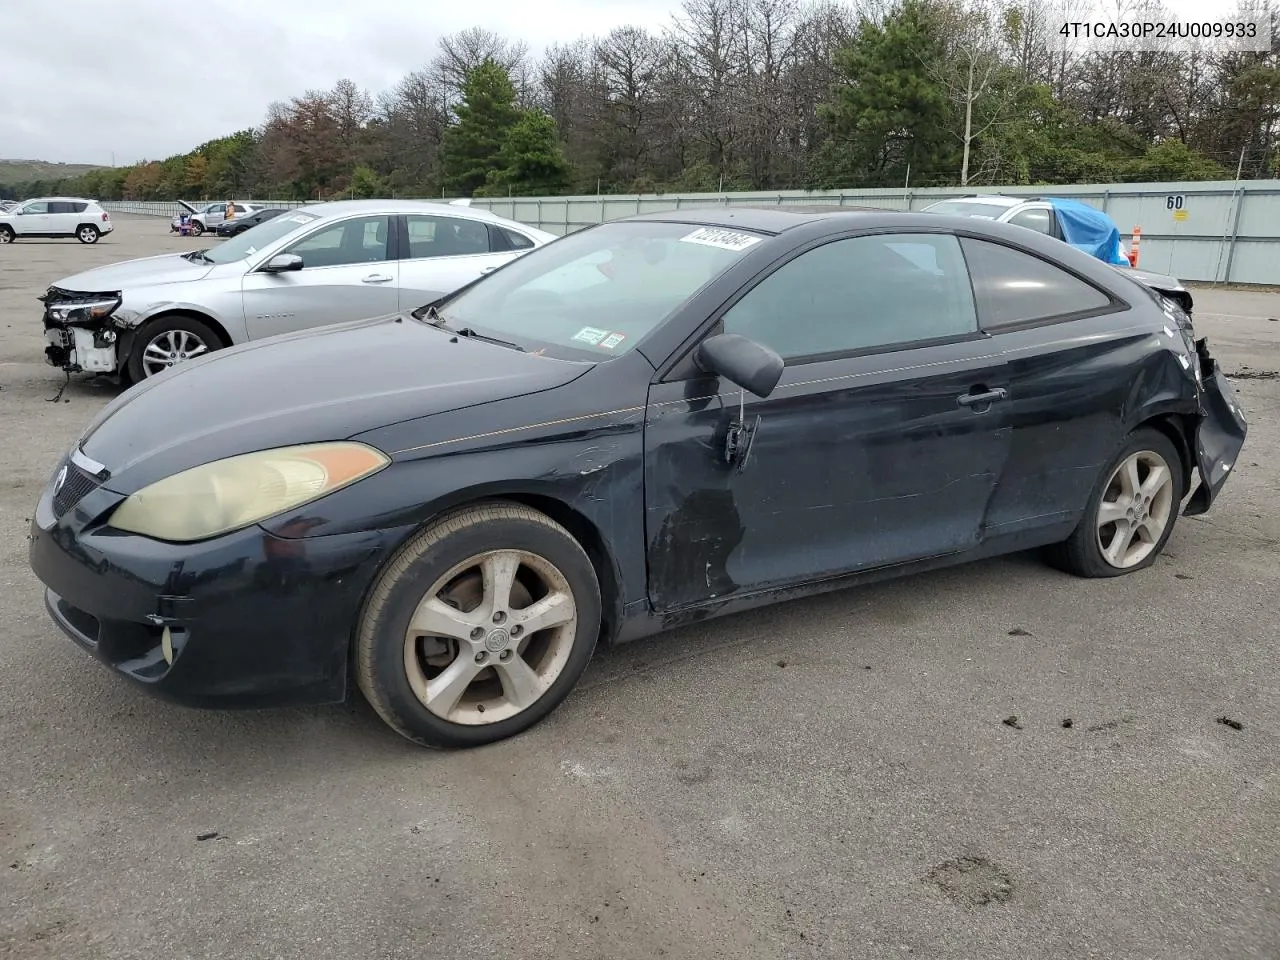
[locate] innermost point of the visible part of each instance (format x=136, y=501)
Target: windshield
x=967, y=208
x=598, y=292
x=255, y=238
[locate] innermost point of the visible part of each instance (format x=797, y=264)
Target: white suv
x=55, y=217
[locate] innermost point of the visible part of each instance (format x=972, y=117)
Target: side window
x=518, y=241
x=37, y=206
x=431, y=236
x=1014, y=288
x=59, y=206
x=77, y=207
x=1039, y=220
x=861, y=293
x=360, y=240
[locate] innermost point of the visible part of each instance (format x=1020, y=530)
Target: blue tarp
x=1089, y=229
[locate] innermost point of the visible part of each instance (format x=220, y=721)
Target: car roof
x=61, y=199
x=331, y=208
x=990, y=199
x=776, y=219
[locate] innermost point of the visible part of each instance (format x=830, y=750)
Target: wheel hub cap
x=497, y=640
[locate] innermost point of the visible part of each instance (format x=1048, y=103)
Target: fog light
x=166, y=646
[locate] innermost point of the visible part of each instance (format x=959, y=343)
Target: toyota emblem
x=60, y=479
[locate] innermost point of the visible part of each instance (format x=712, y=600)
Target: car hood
x=326, y=384
x=1158, y=281
x=148, y=271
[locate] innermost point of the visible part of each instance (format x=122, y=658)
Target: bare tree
x=970, y=72
x=463, y=51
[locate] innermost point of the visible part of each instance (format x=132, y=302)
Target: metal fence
x=1216, y=231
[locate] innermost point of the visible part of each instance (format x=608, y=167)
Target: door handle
x=376, y=278
x=982, y=399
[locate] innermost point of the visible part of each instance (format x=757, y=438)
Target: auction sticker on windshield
x=302, y=218
x=612, y=340
x=724, y=239
x=590, y=335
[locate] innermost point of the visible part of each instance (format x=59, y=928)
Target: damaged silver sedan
x=317, y=265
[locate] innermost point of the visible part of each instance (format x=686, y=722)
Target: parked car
x=321, y=264
x=233, y=228
x=55, y=217
x=647, y=423
x=7, y=205
x=1070, y=221
x=209, y=216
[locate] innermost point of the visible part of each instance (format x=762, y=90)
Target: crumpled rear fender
x=1220, y=434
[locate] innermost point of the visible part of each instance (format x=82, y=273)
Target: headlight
x=81, y=311
x=229, y=494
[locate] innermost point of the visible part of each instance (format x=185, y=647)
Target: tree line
x=751, y=95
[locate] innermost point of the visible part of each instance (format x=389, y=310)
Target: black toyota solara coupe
x=644, y=424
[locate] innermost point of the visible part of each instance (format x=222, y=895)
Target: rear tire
x=1131, y=513
x=87, y=233
x=183, y=337
x=478, y=628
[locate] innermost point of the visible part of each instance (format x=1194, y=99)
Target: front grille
x=77, y=485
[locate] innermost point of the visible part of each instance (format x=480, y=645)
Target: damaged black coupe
x=643, y=424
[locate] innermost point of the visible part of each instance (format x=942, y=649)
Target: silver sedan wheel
x=490, y=637
x=170, y=347
x=1136, y=509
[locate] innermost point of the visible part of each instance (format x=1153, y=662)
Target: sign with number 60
x=1174, y=201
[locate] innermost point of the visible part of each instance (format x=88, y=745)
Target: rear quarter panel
x=1078, y=388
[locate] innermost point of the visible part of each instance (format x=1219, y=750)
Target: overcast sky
x=144, y=79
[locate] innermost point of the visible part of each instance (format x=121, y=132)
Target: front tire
x=197, y=228
x=7, y=235
x=1132, y=510
x=87, y=233
x=167, y=341
x=479, y=627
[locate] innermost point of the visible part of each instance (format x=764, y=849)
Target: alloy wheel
x=1135, y=510
x=170, y=347
x=490, y=637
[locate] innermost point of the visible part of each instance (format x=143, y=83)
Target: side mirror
x=744, y=362
x=283, y=263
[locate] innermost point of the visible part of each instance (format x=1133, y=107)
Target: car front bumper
x=82, y=349
x=252, y=619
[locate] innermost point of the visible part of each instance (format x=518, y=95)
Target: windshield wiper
x=431, y=315
x=197, y=255
x=472, y=334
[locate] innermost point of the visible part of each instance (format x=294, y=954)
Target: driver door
x=882, y=444
x=349, y=272
x=35, y=220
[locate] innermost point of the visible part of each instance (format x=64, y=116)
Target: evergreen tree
x=473, y=146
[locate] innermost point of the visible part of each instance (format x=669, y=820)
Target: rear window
x=1014, y=288
x=518, y=241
